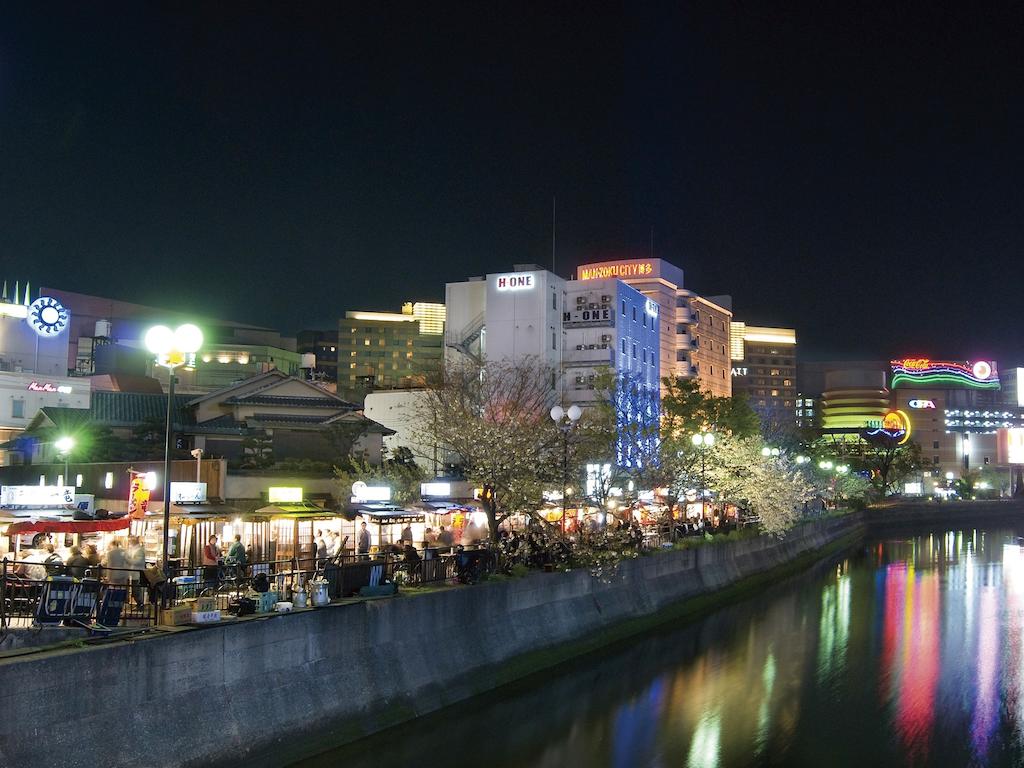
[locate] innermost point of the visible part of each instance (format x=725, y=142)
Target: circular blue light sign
x=47, y=316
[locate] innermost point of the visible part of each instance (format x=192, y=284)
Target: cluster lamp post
x=173, y=349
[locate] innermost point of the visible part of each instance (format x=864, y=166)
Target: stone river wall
x=240, y=693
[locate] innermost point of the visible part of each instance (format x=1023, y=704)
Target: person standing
x=116, y=563
x=237, y=553
x=136, y=561
x=363, y=542
x=211, y=558
x=445, y=538
x=321, y=551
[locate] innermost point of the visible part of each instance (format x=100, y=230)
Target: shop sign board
x=362, y=492
x=36, y=495
x=277, y=494
x=436, y=490
x=188, y=493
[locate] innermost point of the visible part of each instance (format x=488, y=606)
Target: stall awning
x=389, y=517
x=299, y=509
x=206, y=510
x=68, y=526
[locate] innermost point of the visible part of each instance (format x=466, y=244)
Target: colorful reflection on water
x=908, y=652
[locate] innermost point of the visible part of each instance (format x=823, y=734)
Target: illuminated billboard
x=943, y=374
x=895, y=425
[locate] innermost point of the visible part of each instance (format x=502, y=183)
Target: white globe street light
x=565, y=419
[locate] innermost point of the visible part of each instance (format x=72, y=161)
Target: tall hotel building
x=694, y=335
x=764, y=368
x=388, y=350
x=574, y=328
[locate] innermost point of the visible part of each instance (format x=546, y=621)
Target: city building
x=34, y=338
x=694, y=330
x=389, y=350
x=608, y=326
x=97, y=323
x=579, y=330
x=764, y=369
x=323, y=345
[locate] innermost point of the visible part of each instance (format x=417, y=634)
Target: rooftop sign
x=517, y=281
x=943, y=374
x=620, y=270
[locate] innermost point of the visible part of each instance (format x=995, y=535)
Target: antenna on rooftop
x=553, y=222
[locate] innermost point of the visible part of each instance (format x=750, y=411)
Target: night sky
x=853, y=171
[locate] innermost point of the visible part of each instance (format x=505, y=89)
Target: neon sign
x=520, y=281
x=651, y=307
x=921, y=371
x=921, y=404
x=35, y=386
x=628, y=269
x=895, y=425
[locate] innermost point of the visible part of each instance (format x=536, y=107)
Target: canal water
x=908, y=651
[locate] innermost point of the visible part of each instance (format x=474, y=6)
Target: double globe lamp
x=173, y=349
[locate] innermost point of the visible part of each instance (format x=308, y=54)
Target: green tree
x=257, y=451
x=492, y=419
x=687, y=409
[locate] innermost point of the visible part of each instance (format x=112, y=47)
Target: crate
x=266, y=602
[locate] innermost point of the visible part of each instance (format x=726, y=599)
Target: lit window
x=366, y=342
x=351, y=365
x=775, y=393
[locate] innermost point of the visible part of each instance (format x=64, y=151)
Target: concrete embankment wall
x=296, y=684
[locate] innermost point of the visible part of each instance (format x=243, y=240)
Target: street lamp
x=565, y=419
x=172, y=349
x=64, y=446
x=766, y=451
x=703, y=441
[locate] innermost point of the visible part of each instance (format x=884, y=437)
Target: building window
x=634, y=351
x=17, y=409
x=712, y=368
x=643, y=354
x=623, y=307
x=680, y=356
x=775, y=393
x=696, y=316
x=645, y=319
x=935, y=445
x=553, y=340
x=787, y=382
x=775, y=372
x=935, y=459
x=554, y=300
x=623, y=344
x=680, y=328
x=366, y=342
x=634, y=319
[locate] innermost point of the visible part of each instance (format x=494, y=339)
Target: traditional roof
x=125, y=409
x=303, y=402
x=112, y=409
